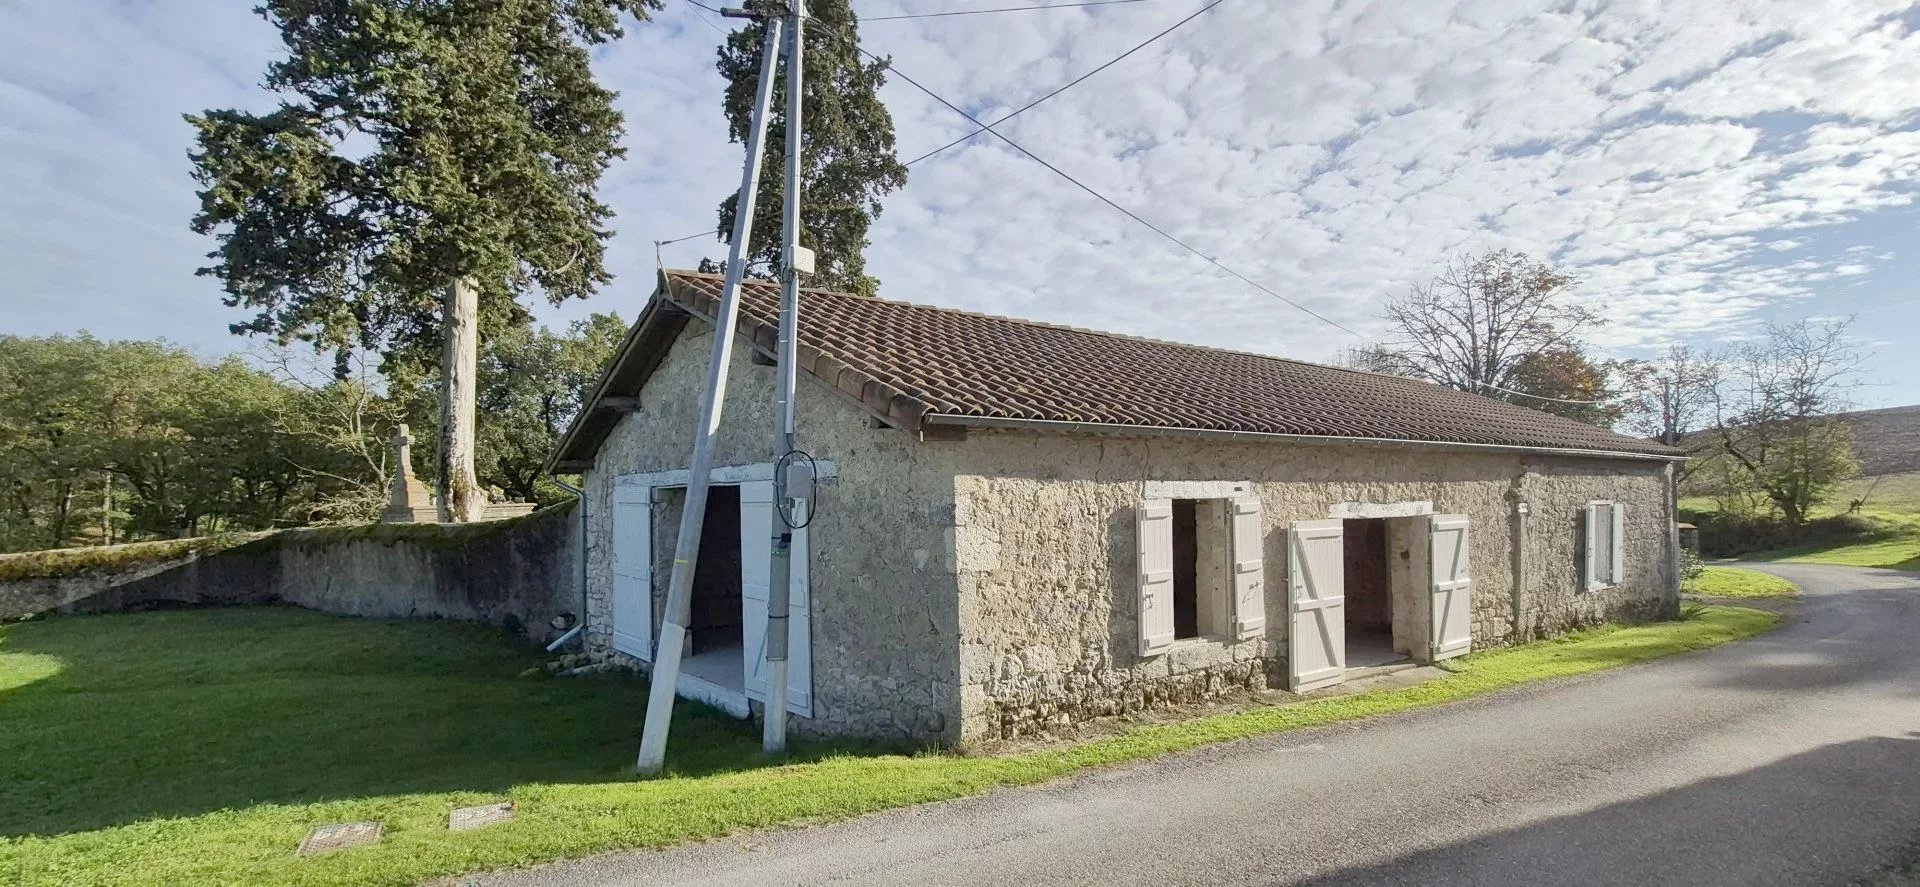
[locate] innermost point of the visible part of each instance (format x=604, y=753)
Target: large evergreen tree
x=848, y=160
x=429, y=160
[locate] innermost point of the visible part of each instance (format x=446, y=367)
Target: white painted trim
x=724, y=474
x=733, y=702
x=1360, y=510
x=1195, y=489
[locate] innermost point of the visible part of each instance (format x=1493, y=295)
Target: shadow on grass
x=1804, y=819
x=106, y=720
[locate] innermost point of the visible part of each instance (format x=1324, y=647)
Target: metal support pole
x=780, y=566
x=673, y=630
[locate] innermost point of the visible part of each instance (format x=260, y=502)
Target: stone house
x=1020, y=526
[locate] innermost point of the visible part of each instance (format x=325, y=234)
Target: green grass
x=1735, y=582
x=1892, y=554
x=198, y=747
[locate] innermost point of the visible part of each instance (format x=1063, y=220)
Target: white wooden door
x=1452, y=610
x=757, y=522
x=1316, y=604
x=633, y=571
x=1155, y=577
x=1249, y=569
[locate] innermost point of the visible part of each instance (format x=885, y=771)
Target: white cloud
x=1682, y=159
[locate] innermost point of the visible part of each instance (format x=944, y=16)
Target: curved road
x=1790, y=759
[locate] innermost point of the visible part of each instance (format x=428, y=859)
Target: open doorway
x=1369, y=610
x=1385, y=583
x=715, y=627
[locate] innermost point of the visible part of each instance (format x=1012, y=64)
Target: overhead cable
x=1076, y=82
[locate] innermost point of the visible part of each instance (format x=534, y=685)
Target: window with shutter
x=1249, y=566
x=1156, y=575
x=1603, y=550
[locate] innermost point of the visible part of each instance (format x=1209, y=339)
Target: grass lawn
x=1735, y=582
x=198, y=747
x=1893, y=508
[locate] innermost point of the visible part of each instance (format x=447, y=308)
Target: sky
x=1703, y=167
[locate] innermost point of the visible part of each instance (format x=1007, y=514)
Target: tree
x=1775, y=409
x=1566, y=382
x=111, y=441
x=339, y=429
x=532, y=383
x=421, y=147
x=1673, y=394
x=847, y=153
x=1494, y=325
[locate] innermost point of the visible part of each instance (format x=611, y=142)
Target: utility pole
x=789, y=509
x=673, y=630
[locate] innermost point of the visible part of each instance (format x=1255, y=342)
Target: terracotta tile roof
x=914, y=363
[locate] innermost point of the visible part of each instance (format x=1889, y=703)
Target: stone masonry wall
x=518, y=573
x=1046, y=552
x=884, y=610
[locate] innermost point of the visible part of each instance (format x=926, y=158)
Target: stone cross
x=408, y=492
x=402, y=444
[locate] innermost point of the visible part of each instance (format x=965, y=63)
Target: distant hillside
x=1886, y=441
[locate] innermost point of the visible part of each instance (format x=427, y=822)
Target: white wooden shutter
x=1618, y=545
x=1249, y=569
x=1156, y=575
x=1316, y=605
x=757, y=520
x=1590, y=573
x=633, y=571
x=1452, y=610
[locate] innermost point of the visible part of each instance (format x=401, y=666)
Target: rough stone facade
x=984, y=588
x=884, y=614
x=1048, y=547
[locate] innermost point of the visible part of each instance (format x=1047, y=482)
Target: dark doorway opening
x=1186, y=560
x=1369, y=593
x=716, y=620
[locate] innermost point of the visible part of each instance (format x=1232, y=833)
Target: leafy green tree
x=1776, y=430
x=1566, y=382
x=533, y=381
x=421, y=147
x=848, y=161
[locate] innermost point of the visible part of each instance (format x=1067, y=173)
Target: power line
x=1076, y=82
x=1106, y=200
x=1584, y=403
x=985, y=127
x=893, y=18
x=678, y=239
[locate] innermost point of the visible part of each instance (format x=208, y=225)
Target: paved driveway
x=1790, y=759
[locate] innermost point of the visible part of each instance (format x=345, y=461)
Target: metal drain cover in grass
x=470, y=818
x=339, y=836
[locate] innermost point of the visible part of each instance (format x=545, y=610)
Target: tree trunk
x=459, y=490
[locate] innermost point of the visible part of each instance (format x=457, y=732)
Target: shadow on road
x=1778, y=823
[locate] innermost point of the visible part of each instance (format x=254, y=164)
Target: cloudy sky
x=1703, y=166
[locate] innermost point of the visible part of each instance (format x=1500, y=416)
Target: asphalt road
x=1790, y=759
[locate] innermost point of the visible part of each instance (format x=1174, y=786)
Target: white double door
x=634, y=597
x=1316, y=599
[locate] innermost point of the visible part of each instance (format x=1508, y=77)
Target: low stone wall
x=518, y=573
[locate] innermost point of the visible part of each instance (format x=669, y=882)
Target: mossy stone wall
x=519, y=573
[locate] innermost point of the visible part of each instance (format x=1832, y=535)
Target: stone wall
x=1045, y=554
x=884, y=612
x=518, y=573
